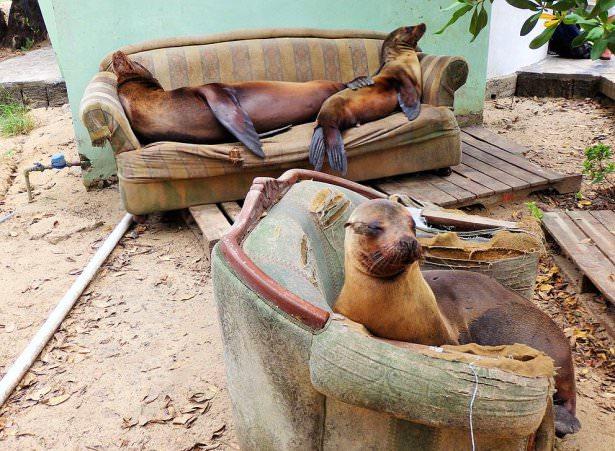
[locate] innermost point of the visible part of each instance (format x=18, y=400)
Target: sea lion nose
x=410, y=249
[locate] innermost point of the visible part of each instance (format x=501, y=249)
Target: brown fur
x=385, y=290
x=398, y=79
x=185, y=115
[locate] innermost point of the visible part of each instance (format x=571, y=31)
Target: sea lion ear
x=348, y=224
x=418, y=31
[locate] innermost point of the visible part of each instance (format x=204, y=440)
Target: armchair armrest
x=102, y=114
x=422, y=385
x=442, y=76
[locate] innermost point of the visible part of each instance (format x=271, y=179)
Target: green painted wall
x=82, y=32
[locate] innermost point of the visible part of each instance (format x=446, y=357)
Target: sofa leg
x=443, y=172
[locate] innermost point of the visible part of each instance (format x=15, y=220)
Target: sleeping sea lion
x=398, y=83
x=385, y=290
x=215, y=112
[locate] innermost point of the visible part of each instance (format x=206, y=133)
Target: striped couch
x=171, y=175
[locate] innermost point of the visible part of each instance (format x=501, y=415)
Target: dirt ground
x=557, y=132
x=138, y=363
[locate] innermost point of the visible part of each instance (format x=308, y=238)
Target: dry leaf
x=128, y=423
x=182, y=419
x=218, y=433
x=57, y=400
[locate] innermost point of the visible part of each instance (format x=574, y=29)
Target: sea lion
x=214, y=112
x=385, y=290
x=398, y=83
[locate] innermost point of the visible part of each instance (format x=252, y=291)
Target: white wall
x=507, y=50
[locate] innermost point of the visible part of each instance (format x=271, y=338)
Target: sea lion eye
x=374, y=229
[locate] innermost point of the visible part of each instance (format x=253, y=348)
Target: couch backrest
x=284, y=55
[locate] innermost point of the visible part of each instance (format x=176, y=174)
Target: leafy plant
x=14, y=117
x=598, y=162
x=534, y=210
x=595, y=24
x=28, y=45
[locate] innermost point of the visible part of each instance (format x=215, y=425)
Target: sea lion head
x=127, y=69
x=402, y=39
x=380, y=238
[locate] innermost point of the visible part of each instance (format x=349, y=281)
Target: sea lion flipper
x=409, y=101
x=224, y=105
x=565, y=422
x=317, y=149
x=335, y=150
x=360, y=82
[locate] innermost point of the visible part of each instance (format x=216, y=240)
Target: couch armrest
x=103, y=115
x=442, y=76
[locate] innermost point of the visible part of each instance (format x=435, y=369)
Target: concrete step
x=34, y=79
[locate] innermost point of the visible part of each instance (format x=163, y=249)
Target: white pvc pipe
x=23, y=363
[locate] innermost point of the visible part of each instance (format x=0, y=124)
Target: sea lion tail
x=335, y=150
x=317, y=149
x=565, y=422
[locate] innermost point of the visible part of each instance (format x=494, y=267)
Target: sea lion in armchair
x=214, y=112
x=385, y=290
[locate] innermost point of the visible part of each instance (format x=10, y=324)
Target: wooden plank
x=486, y=135
x=595, y=230
x=513, y=182
x=529, y=177
x=483, y=179
x=231, y=210
x=469, y=185
x=417, y=186
x=587, y=256
x=606, y=217
x=212, y=222
x=457, y=192
x=515, y=160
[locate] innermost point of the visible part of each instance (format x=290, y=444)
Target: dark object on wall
x=561, y=43
x=3, y=25
x=25, y=25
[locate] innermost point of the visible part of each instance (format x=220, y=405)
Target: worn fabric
x=288, y=55
x=169, y=160
x=104, y=117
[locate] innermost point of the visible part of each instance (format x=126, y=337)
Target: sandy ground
x=138, y=363
x=558, y=131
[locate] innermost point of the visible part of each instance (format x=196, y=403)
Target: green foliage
x=595, y=24
x=578, y=195
x=14, y=117
x=598, y=162
x=28, y=45
x=534, y=210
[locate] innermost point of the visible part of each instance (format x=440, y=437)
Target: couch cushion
x=169, y=160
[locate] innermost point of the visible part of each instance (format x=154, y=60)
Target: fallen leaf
x=128, y=423
x=218, y=433
x=57, y=400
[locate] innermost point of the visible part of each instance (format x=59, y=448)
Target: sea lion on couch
x=385, y=290
x=215, y=112
x=397, y=84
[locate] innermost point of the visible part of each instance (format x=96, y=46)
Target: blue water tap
x=58, y=161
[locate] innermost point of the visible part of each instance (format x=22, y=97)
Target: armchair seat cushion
x=170, y=175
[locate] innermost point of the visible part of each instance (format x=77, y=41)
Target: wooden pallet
x=492, y=171
x=588, y=239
